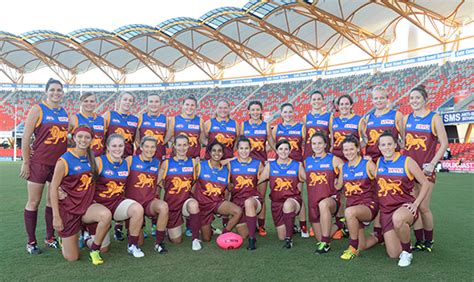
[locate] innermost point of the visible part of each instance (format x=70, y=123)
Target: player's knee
x=249, y=204
x=71, y=257
x=177, y=240
x=236, y=211
x=163, y=208
x=323, y=206
x=105, y=216
x=136, y=210
x=193, y=207
x=33, y=204
x=349, y=214
x=398, y=222
x=288, y=207
x=424, y=208
x=392, y=254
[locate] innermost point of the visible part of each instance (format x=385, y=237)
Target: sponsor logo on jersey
x=77, y=168
x=422, y=126
x=309, y=122
x=349, y=125
x=173, y=169
x=108, y=172
x=123, y=173
x=293, y=172
x=309, y=167
x=236, y=169
x=359, y=174
x=324, y=166
x=207, y=176
x=294, y=132
x=179, y=126
x=193, y=126
x=63, y=119
x=160, y=124
x=260, y=131
x=146, y=123
x=252, y=170
x=275, y=171
x=370, y=123
x=49, y=118
x=139, y=166
x=231, y=129
x=215, y=127
x=132, y=123
x=153, y=168
x=387, y=121
x=395, y=170
x=115, y=120
x=98, y=127
x=187, y=169
x=221, y=179
x=322, y=122
x=381, y=169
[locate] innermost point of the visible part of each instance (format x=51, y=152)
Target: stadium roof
x=261, y=34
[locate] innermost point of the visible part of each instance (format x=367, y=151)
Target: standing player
x=141, y=187
x=188, y=124
x=383, y=118
x=88, y=116
x=357, y=180
x=259, y=134
x=423, y=130
x=244, y=172
x=284, y=175
x=48, y=121
x=153, y=123
x=222, y=129
x=395, y=176
x=212, y=181
x=112, y=177
x=345, y=124
x=178, y=175
x=316, y=120
x=321, y=170
x=75, y=173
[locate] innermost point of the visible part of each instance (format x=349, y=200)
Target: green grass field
x=451, y=260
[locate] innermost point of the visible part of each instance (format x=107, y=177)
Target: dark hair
x=258, y=103
x=317, y=92
x=53, y=81
x=322, y=135
x=281, y=142
x=190, y=97
x=243, y=139
x=351, y=139
x=345, y=96
x=147, y=138
x=387, y=133
x=85, y=95
x=286, y=105
x=213, y=143
x=180, y=136
x=90, y=154
x=114, y=136
x=422, y=89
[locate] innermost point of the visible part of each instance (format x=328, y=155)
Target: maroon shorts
x=277, y=210
x=147, y=209
x=41, y=173
x=208, y=210
x=72, y=223
x=313, y=209
x=175, y=218
x=241, y=203
x=387, y=222
x=374, y=210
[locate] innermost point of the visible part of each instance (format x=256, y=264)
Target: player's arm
x=161, y=177
x=301, y=173
x=265, y=174
x=169, y=130
x=72, y=123
x=205, y=132
x=32, y=120
x=399, y=118
x=363, y=137
x=59, y=173
x=337, y=164
x=415, y=170
x=272, y=137
x=443, y=143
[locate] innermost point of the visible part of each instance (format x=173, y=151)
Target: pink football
x=229, y=241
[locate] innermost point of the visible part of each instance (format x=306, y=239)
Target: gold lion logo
x=112, y=189
x=243, y=181
x=227, y=141
x=179, y=184
x=97, y=143
x=127, y=135
x=374, y=136
x=282, y=184
x=86, y=181
x=159, y=137
x=317, y=178
x=212, y=190
x=193, y=140
x=257, y=145
x=57, y=134
x=415, y=141
x=387, y=186
x=311, y=132
x=338, y=138
x=352, y=189
x=293, y=144
x=144, y=180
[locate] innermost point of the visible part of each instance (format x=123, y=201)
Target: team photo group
x=340, y=171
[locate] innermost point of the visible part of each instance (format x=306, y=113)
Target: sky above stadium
x=62, y=16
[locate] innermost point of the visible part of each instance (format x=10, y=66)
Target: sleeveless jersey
x=211, y=183
x=97, y=123
x=342, y=127
x=154, y=126
x=314, y=123
x=358, y=184
x=142, y=180
x=50, y=135
x=376, y=125
x=283, y=180
x=110, y=185
x=244, y=177
x=225, y=132
x=420, y=138
x=394, y=183
x=294, y=134
x=257, y=134
x=77, y=183
x=178, y=181
x=320, y=176
x=125, y=125
x=192, y=129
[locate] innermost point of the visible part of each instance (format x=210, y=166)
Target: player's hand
x=25, y=171
x=58, y=223
x=366, y=157
x=61, y=194
x=428, y=168
x=411, y=207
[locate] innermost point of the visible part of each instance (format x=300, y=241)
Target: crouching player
x=395, y=177
x=357, y=180
x=178, y=175
x=112, y=177
x=75, y=173
x=141, y=187
x=244, y=172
